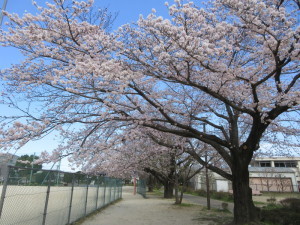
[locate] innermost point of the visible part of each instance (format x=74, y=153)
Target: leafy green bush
x=280, y=216
x=201, y=192
x=271, y=200
x=286, y=213
x=292, y=203
x=224, y=196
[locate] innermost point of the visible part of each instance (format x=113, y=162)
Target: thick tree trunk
x=176, y=190
x=150, y=183
x=184, y=185
x=168, y=191
x=244, y=209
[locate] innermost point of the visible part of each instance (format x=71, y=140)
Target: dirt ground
x=135, y=210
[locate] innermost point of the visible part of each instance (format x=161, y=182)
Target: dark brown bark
x=150, y=188
x=244, y=209
x=168, y=181
x=168, y=189
x=176, y=190
x=183, y=189
x=151, y=183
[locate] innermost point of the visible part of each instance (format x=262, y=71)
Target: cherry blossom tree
x=233, y=65
x=139, y=152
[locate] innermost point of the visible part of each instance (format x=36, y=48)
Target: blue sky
x=128, y=11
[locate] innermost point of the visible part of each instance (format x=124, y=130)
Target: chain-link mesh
x=41, y=197
x=141, y=187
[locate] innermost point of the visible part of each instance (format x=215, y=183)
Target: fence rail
x=43, y=197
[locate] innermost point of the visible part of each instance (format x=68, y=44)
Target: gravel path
x=135, y=210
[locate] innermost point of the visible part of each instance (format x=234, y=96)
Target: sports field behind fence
x=35, y=197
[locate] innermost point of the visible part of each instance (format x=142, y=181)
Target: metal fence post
x=70, y=206
x=104, y=182
x=115, y=188
x=86, y=197
x=121, y=191
x=5, y=182
x=46, y=202
x=109, y=192
x=97, y=196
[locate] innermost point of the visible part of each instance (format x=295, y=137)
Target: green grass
x=272, y=206
x=157, y=192
x=214, y=217
x=222, y=196
x=258, y=203
x=185, y=205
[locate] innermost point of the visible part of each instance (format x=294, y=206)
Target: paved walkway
x=135, y=210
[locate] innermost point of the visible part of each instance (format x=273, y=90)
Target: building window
x=285, y=164
x=265, y=164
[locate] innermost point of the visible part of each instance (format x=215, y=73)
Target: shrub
x=201, y=193
x=280, y=216
x=224, y=196
x=286, y=213
x=271, y=200
x=224, y=206
x=291, y=203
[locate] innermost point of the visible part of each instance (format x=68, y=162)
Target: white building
x=280, y=174
x=273, y=179
x=290, y=163
x=216, y=182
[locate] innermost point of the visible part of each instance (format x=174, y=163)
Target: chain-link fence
x=141, y=187
x=40, y=197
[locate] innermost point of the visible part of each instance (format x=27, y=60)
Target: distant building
x=6, y=159
x=216, y=182
x=280, y=174
x=287, y=164
x=273, y=179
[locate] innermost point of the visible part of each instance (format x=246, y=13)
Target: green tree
x=26, y=161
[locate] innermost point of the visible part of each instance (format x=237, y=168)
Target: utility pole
x=134, y=183
x=1, y=12
x=31, y=172
x=58, y=169
x=206, y=172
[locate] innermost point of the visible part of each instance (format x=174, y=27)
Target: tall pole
x=58, y=169
x=1, y=12
x=31, y=172
x=134, y=185
x=206, y=173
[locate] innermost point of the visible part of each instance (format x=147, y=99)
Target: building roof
x=271, y=169
x=277, y=159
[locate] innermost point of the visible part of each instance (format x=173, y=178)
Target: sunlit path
x=135, y=210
